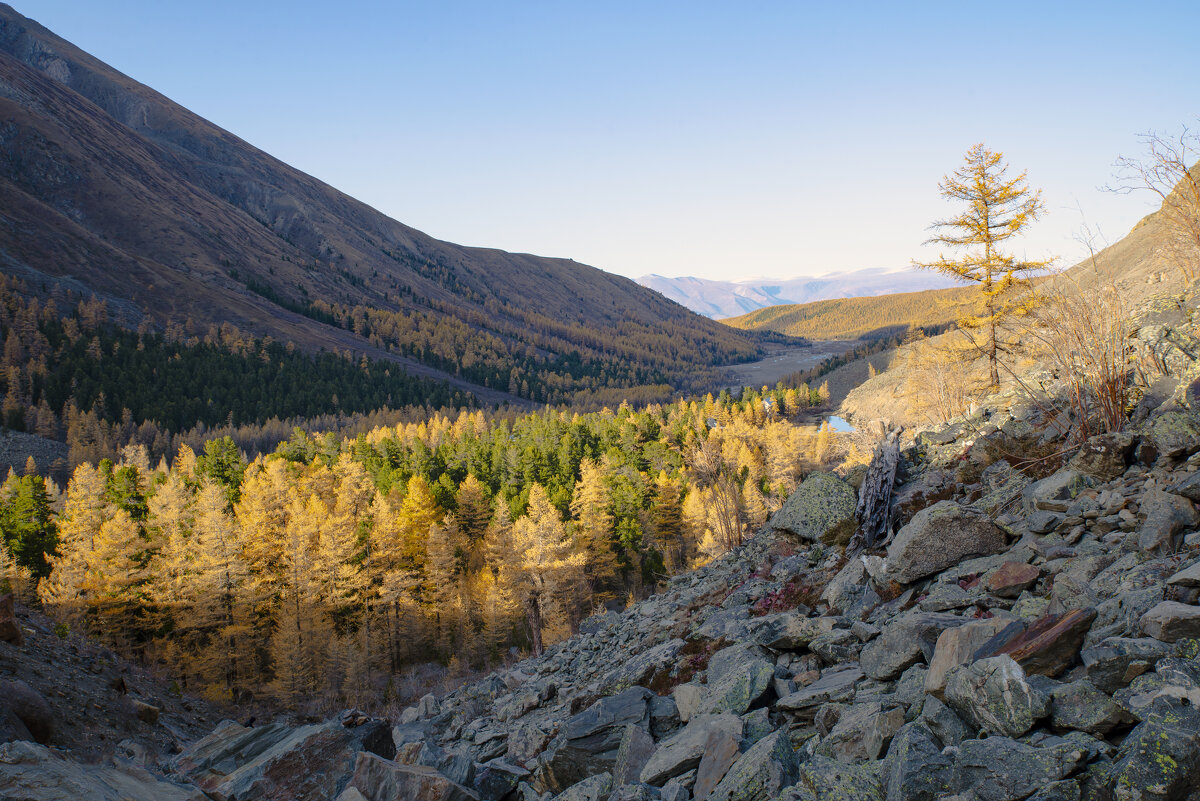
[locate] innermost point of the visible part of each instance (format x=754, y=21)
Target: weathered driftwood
x=873, y=514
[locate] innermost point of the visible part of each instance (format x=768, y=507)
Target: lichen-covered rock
x=1055, y=493
x=1176, y=434
x=1167, y=516
x=825, y=779
x=379, y=779
x=1160, y=759
x=834, y=684
x=1002, y=769
x=863, y=732
x=737, y=689
x=1115, y=662
x=993, y=695
x=915, y=768
x=1082, y=707
x=635, y=751
x=761, y=773
x=821, y=503
x=589, y=741
x=1188, y=577
x=32, y=772
x=941, y=536
x=593, y=788
x=940, y=719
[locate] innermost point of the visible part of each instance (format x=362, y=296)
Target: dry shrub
x=942, y=378
x=1085, y=335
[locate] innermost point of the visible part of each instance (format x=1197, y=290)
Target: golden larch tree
x=998, y=208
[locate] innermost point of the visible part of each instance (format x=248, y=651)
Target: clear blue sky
x=724, y=140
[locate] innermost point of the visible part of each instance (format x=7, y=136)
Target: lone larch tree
x=998, y=208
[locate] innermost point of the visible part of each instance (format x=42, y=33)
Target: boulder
x=1002, y=769
x=687, y=699
x=993, y=695
x=939, y=537
x=589, y=742
x=303, y=762
x=1188, y=487
x=1104, y=456
x=941, y=721
x=1173, y=678
x=761, y=773
x=379, y=779
x=1011, y=579
x=29, y=707
x=1082, y=707
x=494, y=780
x=915, y=768
x=10, y=627
x=788, y=631
x=683, y=751
x=1170, y=621
x=1166, y=517
x=638, y=669
x=907, y=640
x=821, y=503
x=957, y=646
x=1115, y=662
x=32, y=772
x=1049, y=645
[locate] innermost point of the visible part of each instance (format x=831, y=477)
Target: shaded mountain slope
x=107, y=186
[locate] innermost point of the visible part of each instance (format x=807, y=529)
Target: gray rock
x=1173, y=678
x=32, y=772
x=28, y=706
x=1055, y=493
x=664, y=716
x=863, y=732
x=1189, y=577
x=907, y=640
x=993, y=695
x=637, y=670
x=819, y=504
x=683, y=751
x=1169, y=621
x=635, y=792
x=734, y=658
x=1002, y=769
x=496, y=779
x=1115, y=662
x=1167, y=516
x=637, y=746
x=378, y=779
x=941, y=721
x=1104, y=456
x=589, y=741
x=823, y=779
x=593, y=788
x=915, y=768
x=940, y=536
x=1065, y=790
x=835, y=684
x=1188, y=487
x=687, y=698
x=1080, y=706
x=838, y=646
x=675, y=790
x=721, y=750
x=789, y=631
x=761, y=773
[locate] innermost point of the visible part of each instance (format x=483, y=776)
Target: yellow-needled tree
x=998, y=208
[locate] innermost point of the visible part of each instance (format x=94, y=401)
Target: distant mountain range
x=719, y=299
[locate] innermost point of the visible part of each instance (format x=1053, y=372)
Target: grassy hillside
x=854, y=318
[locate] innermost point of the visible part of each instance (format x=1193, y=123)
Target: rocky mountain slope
x=1029, y=631
x=107, y=186
x=718, y=299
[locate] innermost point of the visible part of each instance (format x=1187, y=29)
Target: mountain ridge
x=109, y=185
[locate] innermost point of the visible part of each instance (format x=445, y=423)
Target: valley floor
x=781, y=362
